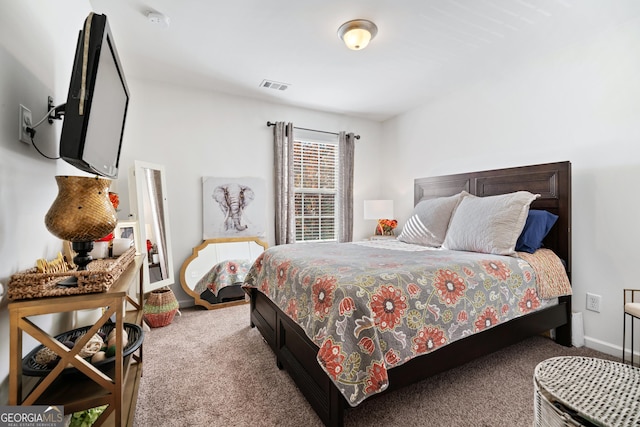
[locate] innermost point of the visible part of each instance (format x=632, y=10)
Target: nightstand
x=378, y=237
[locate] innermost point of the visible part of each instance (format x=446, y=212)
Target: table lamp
x=81, y=214
x=380, y=210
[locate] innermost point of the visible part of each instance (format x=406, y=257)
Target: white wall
x=192, y=133
x=196, y=134
x=37, y=42
x=581, y=105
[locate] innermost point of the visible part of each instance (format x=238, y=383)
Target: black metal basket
x=135, y=338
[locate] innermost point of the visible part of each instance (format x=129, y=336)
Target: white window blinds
x=315, y=166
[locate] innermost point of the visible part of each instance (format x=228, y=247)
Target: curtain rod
x=312, y=130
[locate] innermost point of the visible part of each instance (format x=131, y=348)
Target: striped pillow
x=490, y=224
x=428, y=224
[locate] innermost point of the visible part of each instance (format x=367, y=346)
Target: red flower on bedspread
x=331, y=358
x=264, y=287
x=323, y=295
x=469, y=272
x=505, y=309
x=463, y=317
x=388, y=306
x=347, y=306
x=232, y=267
x=281, y=273
x=258, y=263
x=413, y=289
x=529, y=301
x=377, y=379
x=367, y=345
x=488, y=318
x=391, y=357
x=497, y=269
x=449, y=286
x=429, y=338
x=306, y=281
x=292, y=309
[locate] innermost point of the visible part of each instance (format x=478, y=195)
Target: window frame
x=317, y=142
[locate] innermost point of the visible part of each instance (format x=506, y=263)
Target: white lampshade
x=358, y=33
x=378, y=209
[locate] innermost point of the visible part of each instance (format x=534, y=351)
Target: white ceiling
x=424, y=48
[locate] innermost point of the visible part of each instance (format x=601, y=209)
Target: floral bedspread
x=225, y=273
x=370, y=307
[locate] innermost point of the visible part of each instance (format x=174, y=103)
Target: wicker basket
x=577, y=391
x=135, y=337
x=160, y=308
x=98, y=277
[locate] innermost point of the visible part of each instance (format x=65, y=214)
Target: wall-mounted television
x=96, y=107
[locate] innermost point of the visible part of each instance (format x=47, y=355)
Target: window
x=315, y=167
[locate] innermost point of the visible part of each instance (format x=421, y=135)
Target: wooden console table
x=117, y=387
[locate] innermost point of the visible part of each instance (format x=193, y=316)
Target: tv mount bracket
x=55, y=113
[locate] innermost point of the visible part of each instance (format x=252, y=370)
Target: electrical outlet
x=593, y=302
x=25, y=122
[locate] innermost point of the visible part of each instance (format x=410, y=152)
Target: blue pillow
x=535, y=230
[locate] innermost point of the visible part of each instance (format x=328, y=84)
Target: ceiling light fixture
x=358, y=33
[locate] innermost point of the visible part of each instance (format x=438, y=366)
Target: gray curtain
x=283, y=167
x=345, y=186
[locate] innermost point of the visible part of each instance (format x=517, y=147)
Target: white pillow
x=489, y=224
x=428, y=224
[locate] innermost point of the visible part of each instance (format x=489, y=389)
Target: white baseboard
x=604, y=347
x=186, y=303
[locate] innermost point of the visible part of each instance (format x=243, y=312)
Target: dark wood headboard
x=551, y=180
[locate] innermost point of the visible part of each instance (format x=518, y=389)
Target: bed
x=391, y=357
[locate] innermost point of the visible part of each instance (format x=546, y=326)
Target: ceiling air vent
x=270, y=84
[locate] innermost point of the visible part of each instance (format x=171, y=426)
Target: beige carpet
x=209, y=368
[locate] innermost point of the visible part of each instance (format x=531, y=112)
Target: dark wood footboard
x=296, y=353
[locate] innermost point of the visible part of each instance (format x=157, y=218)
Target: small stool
x=632, y=309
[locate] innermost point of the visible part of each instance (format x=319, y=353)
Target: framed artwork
x=129, y=230
x=233, y=207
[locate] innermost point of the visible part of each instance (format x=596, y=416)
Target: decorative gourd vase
x=81, y=213
x=160, y=308
x=383, y=230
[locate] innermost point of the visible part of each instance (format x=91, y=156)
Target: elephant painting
x=233, y=199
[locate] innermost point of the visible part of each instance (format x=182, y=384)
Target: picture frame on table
x=129, y=230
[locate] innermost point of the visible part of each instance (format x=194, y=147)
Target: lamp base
x=82, y=259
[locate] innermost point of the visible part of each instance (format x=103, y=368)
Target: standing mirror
x=149, y=198
x=214, y=273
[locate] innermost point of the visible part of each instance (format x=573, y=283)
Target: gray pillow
x=428, y=224
x=489, y=224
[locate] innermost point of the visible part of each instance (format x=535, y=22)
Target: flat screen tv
x=96, y=107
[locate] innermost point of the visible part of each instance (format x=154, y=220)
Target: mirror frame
x=137, y=177
x=196, y=250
